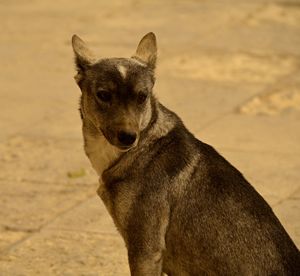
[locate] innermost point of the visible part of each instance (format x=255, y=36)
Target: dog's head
x=117, y=92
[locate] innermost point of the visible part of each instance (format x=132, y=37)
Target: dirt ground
x=229, y=68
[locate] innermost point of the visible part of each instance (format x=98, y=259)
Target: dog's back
x=222, y=224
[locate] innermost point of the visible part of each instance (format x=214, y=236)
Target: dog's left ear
x=83, y=56
x=146, y=51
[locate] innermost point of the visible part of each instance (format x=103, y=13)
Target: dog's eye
x=141, y=98
x=104, y=96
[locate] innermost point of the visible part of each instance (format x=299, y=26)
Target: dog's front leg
x=145, y=264
x=146, y=241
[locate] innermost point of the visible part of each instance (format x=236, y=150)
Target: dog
x=181, y=208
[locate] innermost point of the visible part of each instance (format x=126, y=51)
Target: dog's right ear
x=84, y=58
x=146, y=51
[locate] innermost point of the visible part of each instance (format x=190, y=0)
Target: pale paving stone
x=277, y=101
x=199, y=103
x=284, y=12
x=29, y=205
x=230, y=67
x=39, y=183
x=10, y=236
x=281, y=99
x=64, y=126
x=44, y=159
x=273, y=28
x=26, y=207
x=67, y=253
x=258, y=41
x=274, y=176
x=255, y=133
x=91, y=216
x=288, y=212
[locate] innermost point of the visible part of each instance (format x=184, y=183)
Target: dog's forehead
x=121, y=67
x=125, y=73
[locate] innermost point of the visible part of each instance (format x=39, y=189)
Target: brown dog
x=181, y=208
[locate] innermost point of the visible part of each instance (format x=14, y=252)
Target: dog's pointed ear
x=83, y=56
x=146, y=51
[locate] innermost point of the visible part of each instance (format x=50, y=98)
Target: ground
x=230, y=69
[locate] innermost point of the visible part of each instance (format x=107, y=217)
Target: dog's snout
x=126, y=138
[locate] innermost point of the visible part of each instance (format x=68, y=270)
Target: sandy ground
x=230, y=69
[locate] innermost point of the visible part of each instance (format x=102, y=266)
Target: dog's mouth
x=121, y=147
x=125, y=148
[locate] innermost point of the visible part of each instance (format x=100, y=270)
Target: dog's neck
x=102, y=154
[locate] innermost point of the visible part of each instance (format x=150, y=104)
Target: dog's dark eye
x=141, y=98
x=104, y=96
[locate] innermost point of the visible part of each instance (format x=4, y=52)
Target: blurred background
x=230, y=69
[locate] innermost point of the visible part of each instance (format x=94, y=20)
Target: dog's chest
x=100, y=153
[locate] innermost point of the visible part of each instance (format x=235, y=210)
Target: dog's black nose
x=126, y=138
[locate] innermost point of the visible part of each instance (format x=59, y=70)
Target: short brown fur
x=180, y=207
